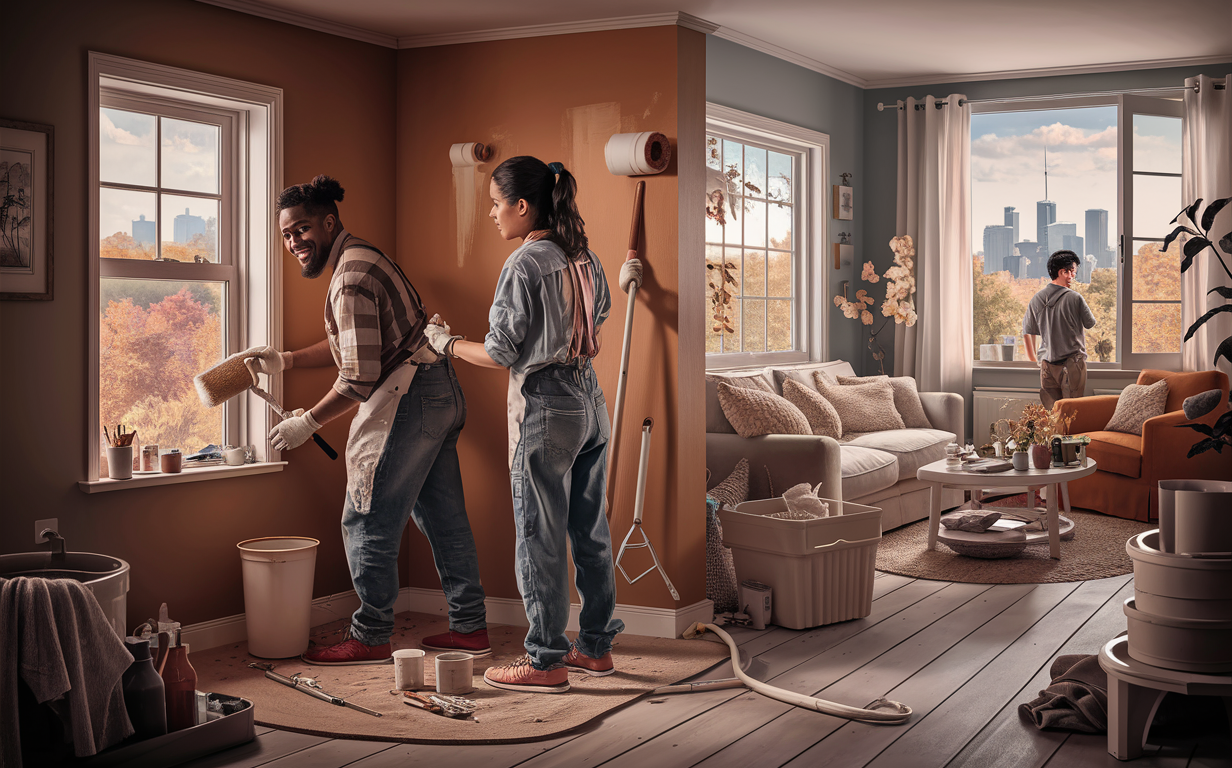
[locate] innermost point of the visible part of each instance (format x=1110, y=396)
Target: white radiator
x=992, y=403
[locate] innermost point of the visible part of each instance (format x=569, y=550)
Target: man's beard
x=313, y=268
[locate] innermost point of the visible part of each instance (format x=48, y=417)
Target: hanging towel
x=1077, y=700
x=64, y=649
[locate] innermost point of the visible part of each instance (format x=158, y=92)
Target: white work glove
x=439, y=338
x=293, y=432
x=630, y=272
x=438, y=320
x=266, y=360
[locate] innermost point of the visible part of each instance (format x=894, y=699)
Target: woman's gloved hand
x=630, y=272
x=266, y=360
x=293, y=432
x=439, y=338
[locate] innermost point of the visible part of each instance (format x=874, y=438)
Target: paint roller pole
x=634, y=233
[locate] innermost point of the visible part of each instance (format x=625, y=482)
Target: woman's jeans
x=417, y=476
x=559, y=486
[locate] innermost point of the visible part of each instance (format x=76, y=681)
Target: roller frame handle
x=639, y=196
x=329, y=450
x=642, y=466
x=635, y=229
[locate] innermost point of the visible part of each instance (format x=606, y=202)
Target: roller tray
x=183, y=745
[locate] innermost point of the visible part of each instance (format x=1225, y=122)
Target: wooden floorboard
x=264, y=749
x=331, y=754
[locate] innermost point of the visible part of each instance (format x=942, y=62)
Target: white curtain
x=934, y=207
x=1207, y=173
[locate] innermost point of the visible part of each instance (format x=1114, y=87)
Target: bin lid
x=278, y=544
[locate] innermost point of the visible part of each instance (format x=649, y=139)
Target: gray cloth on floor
x=60, y=643
x=1077, y=700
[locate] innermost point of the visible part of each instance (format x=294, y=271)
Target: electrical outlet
x=40, y=525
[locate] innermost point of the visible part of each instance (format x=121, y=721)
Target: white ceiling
x=870, y=43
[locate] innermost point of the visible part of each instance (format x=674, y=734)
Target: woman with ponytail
x=551, y=300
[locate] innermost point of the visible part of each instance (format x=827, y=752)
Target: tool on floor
x=439, y=704
x=880, y=711
x=309, y=686
x=647, y=424
x=639, y=194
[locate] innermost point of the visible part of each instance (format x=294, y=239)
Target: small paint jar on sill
x=172, y=461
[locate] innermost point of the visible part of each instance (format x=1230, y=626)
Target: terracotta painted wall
x=560, y=99
x=339, y=118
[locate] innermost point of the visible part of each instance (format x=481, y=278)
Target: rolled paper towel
x=468, y=154
x=803, y=503
x=637, y=154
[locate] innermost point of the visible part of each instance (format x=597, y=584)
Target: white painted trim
x=639, y=620
x=1018, y=74
x=297, y=19
x=678, y=19
x=778, y=52
x=190, y=475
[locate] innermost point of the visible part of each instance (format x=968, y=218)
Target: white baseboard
x=639, y=620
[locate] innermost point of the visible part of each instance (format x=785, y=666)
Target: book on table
x=986, y=466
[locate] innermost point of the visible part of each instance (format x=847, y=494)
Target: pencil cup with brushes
x=120, y=452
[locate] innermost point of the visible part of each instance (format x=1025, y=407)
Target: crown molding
x=678, y=19
x=253, y=8
x=1018, y=74
x=757, y=44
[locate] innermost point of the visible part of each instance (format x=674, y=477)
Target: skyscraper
x=186, y=225
x=1057, y=232
x=143, y=231
x=1096, y=241
x=1045, y=215
x=998, y=248
x=1011, y=220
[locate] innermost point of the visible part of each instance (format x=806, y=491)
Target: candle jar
x=149, y=458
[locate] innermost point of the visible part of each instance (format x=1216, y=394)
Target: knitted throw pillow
x=720, y=570
x=1137, y=403
x=906, y=398
x=753, y=412
x=822, y=417
x=862, y=407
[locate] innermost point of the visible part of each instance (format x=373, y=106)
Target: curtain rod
x=881, y=107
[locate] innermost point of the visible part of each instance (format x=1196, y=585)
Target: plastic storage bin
x=278, y=573
x=821, y=571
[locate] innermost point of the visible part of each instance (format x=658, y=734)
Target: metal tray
x=183, y=745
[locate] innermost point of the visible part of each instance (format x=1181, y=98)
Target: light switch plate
x=39, y=525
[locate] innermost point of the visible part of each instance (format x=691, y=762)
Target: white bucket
x=1193, y=516
x=278, y=574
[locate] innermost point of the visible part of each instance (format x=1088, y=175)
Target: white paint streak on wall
x=653, y=101
x=585, y=131
x=465, y=188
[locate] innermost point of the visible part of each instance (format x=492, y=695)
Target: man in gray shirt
x=1058, y=316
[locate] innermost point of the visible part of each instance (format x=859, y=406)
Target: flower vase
x=1022, y=461
x=1041, y=456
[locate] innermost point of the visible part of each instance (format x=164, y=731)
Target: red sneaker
x=475, y=643
x=521, y=675
x=349, y=652
x=599, y=667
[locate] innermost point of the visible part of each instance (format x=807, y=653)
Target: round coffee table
x=939, y=476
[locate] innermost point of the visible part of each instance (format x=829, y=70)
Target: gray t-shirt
x=1057, y=315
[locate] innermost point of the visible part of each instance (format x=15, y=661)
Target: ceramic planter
x=1194, y=516
x=1022, y=462
x=1041, y=456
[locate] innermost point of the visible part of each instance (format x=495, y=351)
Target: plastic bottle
x=144, y=694
x=180, y=681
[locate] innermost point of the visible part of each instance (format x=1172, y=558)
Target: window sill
x=187, y=476
x=1094, y=370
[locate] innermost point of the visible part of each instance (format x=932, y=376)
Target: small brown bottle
x=180, y=682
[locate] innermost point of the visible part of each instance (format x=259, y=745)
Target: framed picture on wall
x=844, y=202
x=26, y=173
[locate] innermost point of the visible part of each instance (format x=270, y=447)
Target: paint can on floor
x=278, y=573
x=408, y=669
x=455, y=673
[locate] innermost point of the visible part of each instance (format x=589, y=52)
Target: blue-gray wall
x=754, y=82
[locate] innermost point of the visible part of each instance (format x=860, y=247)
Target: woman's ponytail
x=565, y=220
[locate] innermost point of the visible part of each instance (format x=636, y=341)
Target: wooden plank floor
x=962, y=656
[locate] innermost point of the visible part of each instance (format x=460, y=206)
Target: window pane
x=189, y=229
x=1157, y=144
x=1157, y=328
x=1101, y=296
x=733, y=163
x=780, y=177
x=127, y=225
x=780, y=226
x=778, y=282
x=755, y=172
x=754, y=223
x=126, y=153
x=714, y=231
x=1157, y=199
x=713, y=159
x=754, y=325
x=154, y=336
x=190, y=156
x=754, y=273
x=779, y=330
x=1157, y=275
x=731, y=339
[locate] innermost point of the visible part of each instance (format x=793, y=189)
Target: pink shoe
x=599, y=667
x=349, y=652
x=475, y=643
x=521, y=675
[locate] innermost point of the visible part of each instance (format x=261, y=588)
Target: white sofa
x=876, y=468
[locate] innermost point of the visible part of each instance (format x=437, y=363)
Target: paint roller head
x=224, y=381
x=637, y=154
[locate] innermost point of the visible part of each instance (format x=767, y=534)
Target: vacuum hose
x=880, y=711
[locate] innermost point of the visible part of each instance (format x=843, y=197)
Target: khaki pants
x=1069, y=379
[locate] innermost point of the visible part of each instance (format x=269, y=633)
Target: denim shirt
x=530, y=323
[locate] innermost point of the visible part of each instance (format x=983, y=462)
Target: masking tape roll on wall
x=637, y=154
x=467, y=154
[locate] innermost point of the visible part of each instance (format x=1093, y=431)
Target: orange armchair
x=1130, y=467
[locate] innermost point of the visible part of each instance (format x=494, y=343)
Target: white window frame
x=809, y=229
x=251, y=116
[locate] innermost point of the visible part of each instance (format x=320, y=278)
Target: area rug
x=642, y=664
x=1097, y=551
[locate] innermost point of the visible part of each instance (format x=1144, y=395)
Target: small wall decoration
x=844, y=199
x=844, y=251
x=26, y=173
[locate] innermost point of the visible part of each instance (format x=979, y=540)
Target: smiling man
x=1058, y=314
x=401, y=455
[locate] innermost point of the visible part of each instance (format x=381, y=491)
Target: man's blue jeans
x=417, y=476
x=559, y=485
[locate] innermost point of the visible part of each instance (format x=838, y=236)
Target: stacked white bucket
x=1180, y=617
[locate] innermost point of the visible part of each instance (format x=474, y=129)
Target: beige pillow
x=906, y=398
x=861, y=407
x=822, y=417
x=1137, y=403
x=715, y=422
x=753, y=412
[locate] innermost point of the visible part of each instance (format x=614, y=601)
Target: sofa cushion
x=1137, y=403
x=906, y=398
x=754, y=413
x=912, y=447
x=866, y=470
x=715, y=420
x=1116, y=452
x=804, y=373
x=862, y=407
x=822, y=417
